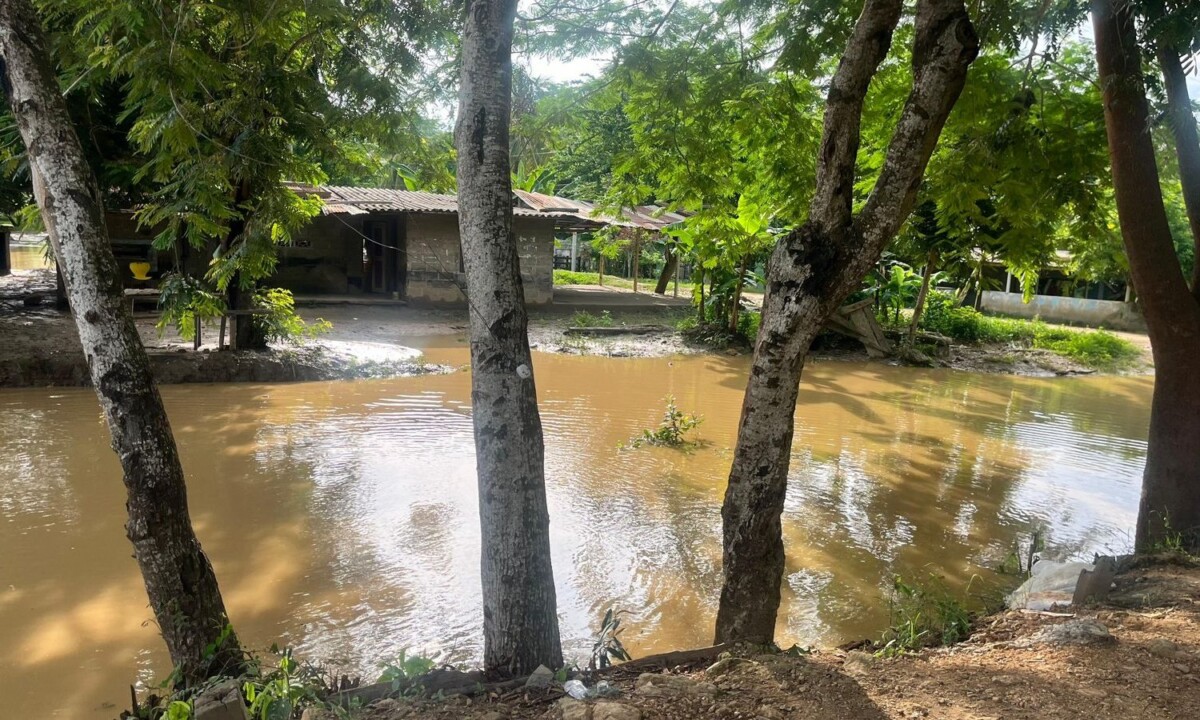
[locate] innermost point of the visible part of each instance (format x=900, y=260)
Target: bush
x=923, y=615
x=1098, y=348
x=569, y=277
x=748, y=323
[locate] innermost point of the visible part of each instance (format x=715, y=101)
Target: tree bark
x=180, y=582
x=919, y=307
x=736, y=305
x=669, y=267
x=520, y=623
x=811, y=272
x=1170, y=501
x=1187, y=146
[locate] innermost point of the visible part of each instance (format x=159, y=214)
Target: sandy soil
x=1010, y=668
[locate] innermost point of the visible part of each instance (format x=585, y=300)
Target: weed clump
x=671, y=430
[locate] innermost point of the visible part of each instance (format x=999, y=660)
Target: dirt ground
x=1012, y=667
x=41, y=348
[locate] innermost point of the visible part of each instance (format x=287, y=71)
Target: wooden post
x=574, y=252
x=635, y=259
x=5, y=263
x=677, y=264
x=221, y=337
x=601, y=271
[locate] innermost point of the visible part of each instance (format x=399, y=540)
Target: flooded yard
x=341, y=517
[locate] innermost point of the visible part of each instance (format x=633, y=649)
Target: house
x=395, y=244
x=404, y=245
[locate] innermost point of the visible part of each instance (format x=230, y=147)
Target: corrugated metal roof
x=390, y=200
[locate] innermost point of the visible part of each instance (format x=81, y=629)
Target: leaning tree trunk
x=1187, y=147
x=179, y=580
x=520, y=624
x=922, y=295
x=669, y=266
x=738, y=283
x=1171, y=483
x=813, y=269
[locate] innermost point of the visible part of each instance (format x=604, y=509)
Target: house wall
x=435, y=262
x=1109, y=314
x=327, y=257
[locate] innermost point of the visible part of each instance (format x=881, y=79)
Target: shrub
x=570, y=277
x=281, y=321
x=748, y=323
x=923, y=615
x=1100, y=348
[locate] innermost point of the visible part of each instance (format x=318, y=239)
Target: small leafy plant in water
x=607, y=646
x=671, y=430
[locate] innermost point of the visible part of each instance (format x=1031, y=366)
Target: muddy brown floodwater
x=341, y=517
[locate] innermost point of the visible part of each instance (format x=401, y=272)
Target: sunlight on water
x=341, y=517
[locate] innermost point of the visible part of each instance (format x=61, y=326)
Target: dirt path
x=1014, y=666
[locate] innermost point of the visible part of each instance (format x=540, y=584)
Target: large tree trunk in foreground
x=179, y=580
x=520, y=623
x=1187, y=146
x=1171, y=483
x=811, y=272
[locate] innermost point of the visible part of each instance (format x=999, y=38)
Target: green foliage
x=187, y=303
x=895, y=289
x=1097, y=348
x=671, y=430
x=568, y=277
x=280, y=322
x=404, y=669
x=606, y=646
x=748, y=323
x=583, y=318
x=923, y=615
x=282, y=692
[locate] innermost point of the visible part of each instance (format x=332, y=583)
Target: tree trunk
x=930, y=262
x=1171, y=483
x=180, y=583
x=669, y=267
x=700, y=307
x=737, y=294
x=811, y=272
x=1187, y=146
x=520, y=622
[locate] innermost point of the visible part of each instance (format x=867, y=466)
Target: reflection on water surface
x=341, y=517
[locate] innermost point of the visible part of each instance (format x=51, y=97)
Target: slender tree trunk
x=1171, y=483
x=811, y=272
x=180, y=583
x=737, y=294
x=700, y=307
x=669, y=266
x=930, y=263
x=520, y=622
x=1187, y=146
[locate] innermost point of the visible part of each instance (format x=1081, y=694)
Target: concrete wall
x=1109, y=314
x=435, y=262
x=327, y=257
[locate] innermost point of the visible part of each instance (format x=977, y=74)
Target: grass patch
x=583, y=318
x=1095, y=348
x=569, y=277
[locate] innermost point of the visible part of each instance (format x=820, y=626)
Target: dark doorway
x=385, y=262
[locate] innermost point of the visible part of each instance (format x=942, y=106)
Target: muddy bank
x=1016, y=665
x=279, y=364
